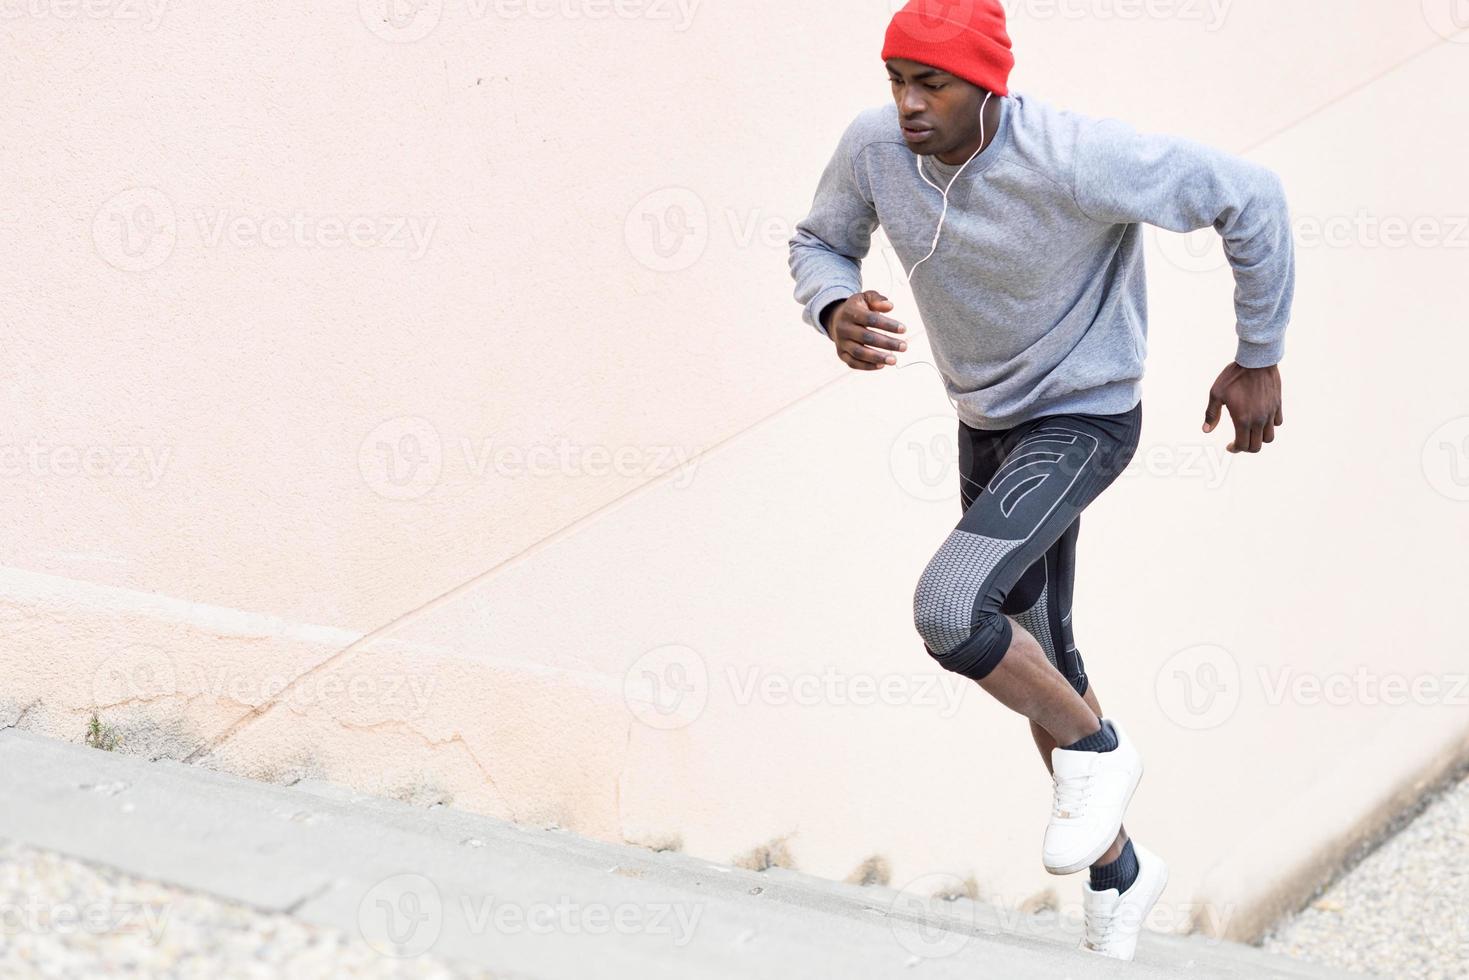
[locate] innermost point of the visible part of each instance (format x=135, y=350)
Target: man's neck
x=991, y=130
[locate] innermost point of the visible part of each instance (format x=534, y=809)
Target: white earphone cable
x=918, y=160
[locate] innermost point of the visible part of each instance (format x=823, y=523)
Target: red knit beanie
x=966, y=38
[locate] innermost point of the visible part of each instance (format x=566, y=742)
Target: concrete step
x=529, y=902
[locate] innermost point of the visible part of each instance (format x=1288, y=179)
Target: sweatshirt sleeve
x=1123, y=176
x=829, y=244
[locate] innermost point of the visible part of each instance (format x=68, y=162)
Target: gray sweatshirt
x=1036, y=301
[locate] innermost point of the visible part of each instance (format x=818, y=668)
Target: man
x=1018, y=224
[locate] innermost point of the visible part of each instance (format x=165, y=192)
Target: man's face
x=939, y=112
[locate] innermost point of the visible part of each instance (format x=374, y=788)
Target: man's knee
x=961, y=630
x=978, y=654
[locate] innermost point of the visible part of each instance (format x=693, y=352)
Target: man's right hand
x=855, y=325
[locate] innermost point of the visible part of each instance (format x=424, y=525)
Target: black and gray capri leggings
x=1014, y=551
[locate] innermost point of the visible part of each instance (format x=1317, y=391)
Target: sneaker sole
x=1075, y=866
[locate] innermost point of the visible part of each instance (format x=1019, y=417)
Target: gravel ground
x=61, y=917
x=1402, y=912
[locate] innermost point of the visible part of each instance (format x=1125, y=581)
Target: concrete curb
x=532, y=903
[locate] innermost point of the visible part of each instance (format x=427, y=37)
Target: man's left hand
x=1253, y=398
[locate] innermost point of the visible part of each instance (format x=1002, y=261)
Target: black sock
x=1120, y=874
x=1103, y=739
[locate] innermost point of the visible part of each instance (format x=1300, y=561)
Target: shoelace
x=1099, y=923
x=1070, y=795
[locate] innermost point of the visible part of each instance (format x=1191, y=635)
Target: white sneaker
x=1092, y=790
x=1113, y=919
